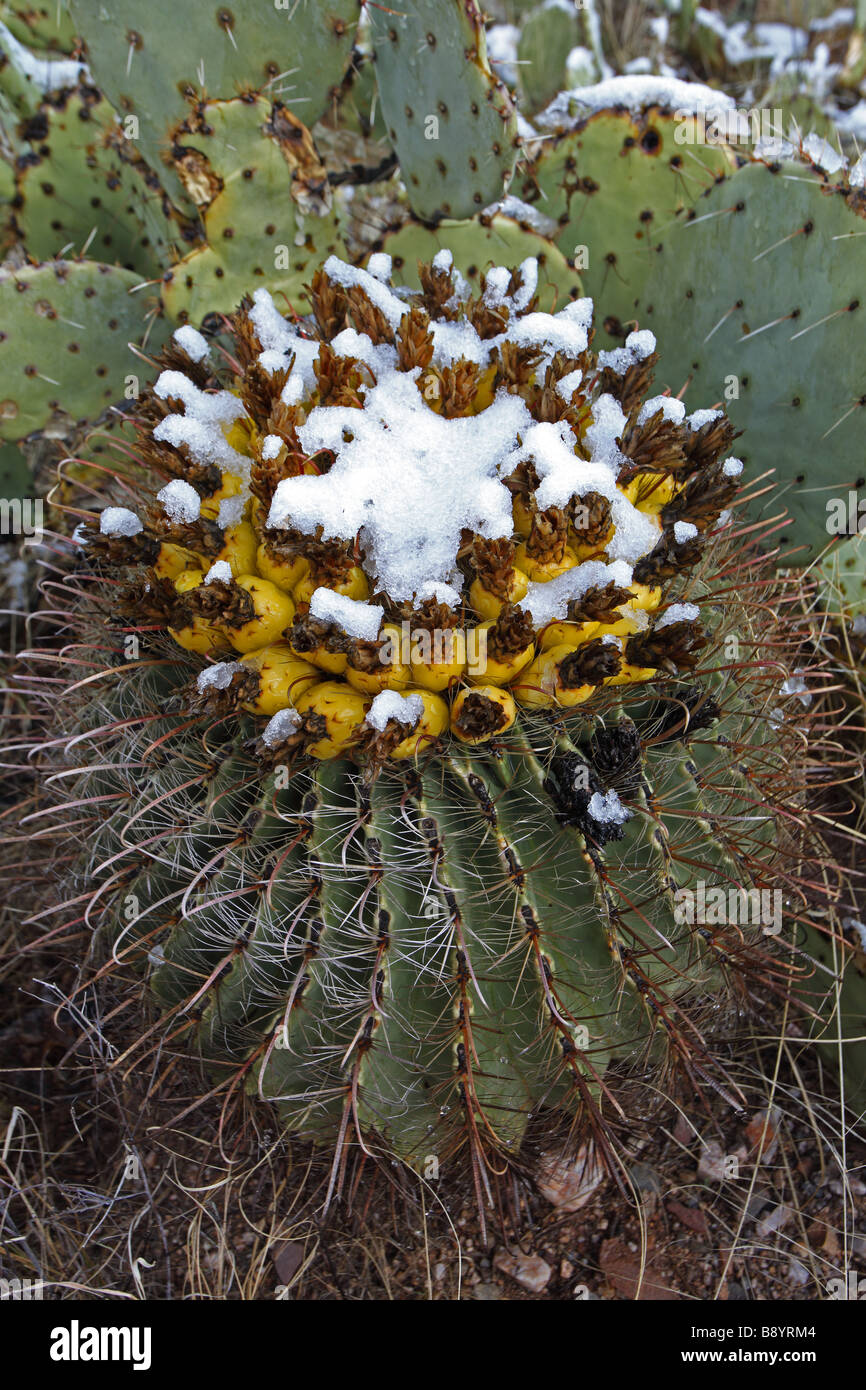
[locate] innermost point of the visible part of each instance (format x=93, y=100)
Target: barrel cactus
x=431, y=719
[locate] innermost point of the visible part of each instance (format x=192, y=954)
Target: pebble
x=529, y=1270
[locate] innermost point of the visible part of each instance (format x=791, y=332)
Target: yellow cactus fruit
x=284, y=573
x=487, y=605
x=646, y=597
x=632, y=621
x=493, y=670
x=485, y=391
x=373, y=676
x=174, y=560
x=231, y=486
x=283, y=678
x=438, y=659
x=273, y=614
x=343, y=711
x=559, y=634
x=355, y=585
x=628, y=674
x=482, y=712
x=522, y=516
x=541, y=684
x=432, y=724
x=199, y=635
x=238, y=551
x=542, y=571
x=649, y=492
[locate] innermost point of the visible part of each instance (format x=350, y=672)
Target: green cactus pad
x=841, y=577
x=254, y=220
x=476, y=245
x=450, y=120
x=547, y=36
x=614, y=185
x=768, y=271
x=15, y=479
x=81, y=184
x=47, y=25
x=63, y=344
x=152, y=62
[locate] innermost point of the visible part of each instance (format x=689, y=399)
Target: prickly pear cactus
x=613, y=181
x=451, y=122
x=768, y=266
x=432, y=708
x=64, y=344
x=239, y=159
x=153, y=65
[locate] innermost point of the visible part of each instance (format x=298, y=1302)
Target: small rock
x=683, y=1132
x=439, y=1273
x=529, y=1270
x=798, y=1274
x=762, y=1132
x=487, y=1293
x=775, y=1220
x=566, y=1269
x=569, y=1183
x=692, y=1217
x=715, y=1163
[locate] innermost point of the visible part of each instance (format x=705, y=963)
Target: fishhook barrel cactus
x=432, y=706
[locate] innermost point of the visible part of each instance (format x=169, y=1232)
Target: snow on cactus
x=432, y=725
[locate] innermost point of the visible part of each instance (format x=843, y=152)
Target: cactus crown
x=442, y=508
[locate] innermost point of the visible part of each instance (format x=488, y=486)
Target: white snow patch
x=220, y=569
x=607, y=809
x=678, y=613
x=671, y=409
x=280, y=727
x=119, y=521
x=351, y=615
x=389, y=704
x=548, y=602
x=635, y=93
x=231, y=510
x=638, y=346
x=47, y=74
x=271, y=446
x=732, y=468
x=279, y=339
x=568, y=384
x=699, y=418
x=218, y=676
x=405, y=481
x=181, y=501
x=193, y=343
x=795, y=685
x=200, y=427
x=684, y=531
